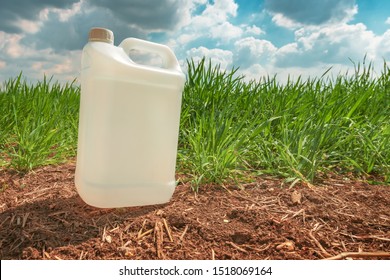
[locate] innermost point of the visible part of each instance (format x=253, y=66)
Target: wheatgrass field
x=231, y=129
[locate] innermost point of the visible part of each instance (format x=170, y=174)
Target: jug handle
x=169, y=59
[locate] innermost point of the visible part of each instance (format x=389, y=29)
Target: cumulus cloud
x=10, y=46
x=72, y=34
x=35, y=63
x=383, y=46
x=14, y=11
x=17, y=55
x=311, y=12
x=225, y=31
x=283, y=21
x=221, y=57
x=218, y=12
x=64, y=24
x=327, y=44
x=47, y=36
x=253, y=30
x=143, y=14
x=212, y=22
x=249, y=51
x=146, y=14
x=256, y=72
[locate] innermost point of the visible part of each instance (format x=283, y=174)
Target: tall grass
x=38, y=123
x=230, y=128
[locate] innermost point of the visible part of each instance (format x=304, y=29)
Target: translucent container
x=129, y=123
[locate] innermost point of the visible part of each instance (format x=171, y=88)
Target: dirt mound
x=42, y=217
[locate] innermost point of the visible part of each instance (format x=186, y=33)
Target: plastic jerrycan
x=129, y=123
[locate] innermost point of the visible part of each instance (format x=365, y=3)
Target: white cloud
x=65, y=27
x=225, y=31
x=255, y=72
x=280, y=20
x=35, y=63
x=27, y=26
x=328, y=44
x=14, y=15
x=305, y=12
x=283, y=20
x=250, y=51
x=383, y=47
x=65, y=66
x=66, y=14
x=217, y=56
x=70, y=32
x=146, y=15
x=253, y=30
x=288, y=49
x=184, y=39
x=213, y=23
x=48, y=38
x=315, y=50
x=11, y=45
x=214, y=14
x=60, y=67
x=219, y=11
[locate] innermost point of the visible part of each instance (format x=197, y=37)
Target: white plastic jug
x=129, y=123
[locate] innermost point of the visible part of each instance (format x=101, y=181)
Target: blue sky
x=261, y=37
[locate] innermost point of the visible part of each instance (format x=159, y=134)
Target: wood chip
x=108, y=238
x=158, y=239
x=184, y=232
x=288, y=246
x=168, y=230
x=160, y=212
x=140, y=231
x=346, y=255
x=319, y=245
x=140, y=236
x=237, y=247
x=296, y=197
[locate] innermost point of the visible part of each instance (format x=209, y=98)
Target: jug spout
x=98, y=34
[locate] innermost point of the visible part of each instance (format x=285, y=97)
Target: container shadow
x=51, y=223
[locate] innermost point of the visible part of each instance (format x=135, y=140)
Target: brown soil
x=42, y=217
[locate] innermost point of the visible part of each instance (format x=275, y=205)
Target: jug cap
x=98, y=34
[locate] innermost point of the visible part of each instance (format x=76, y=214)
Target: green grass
x=230, y=129
x=38, y=123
